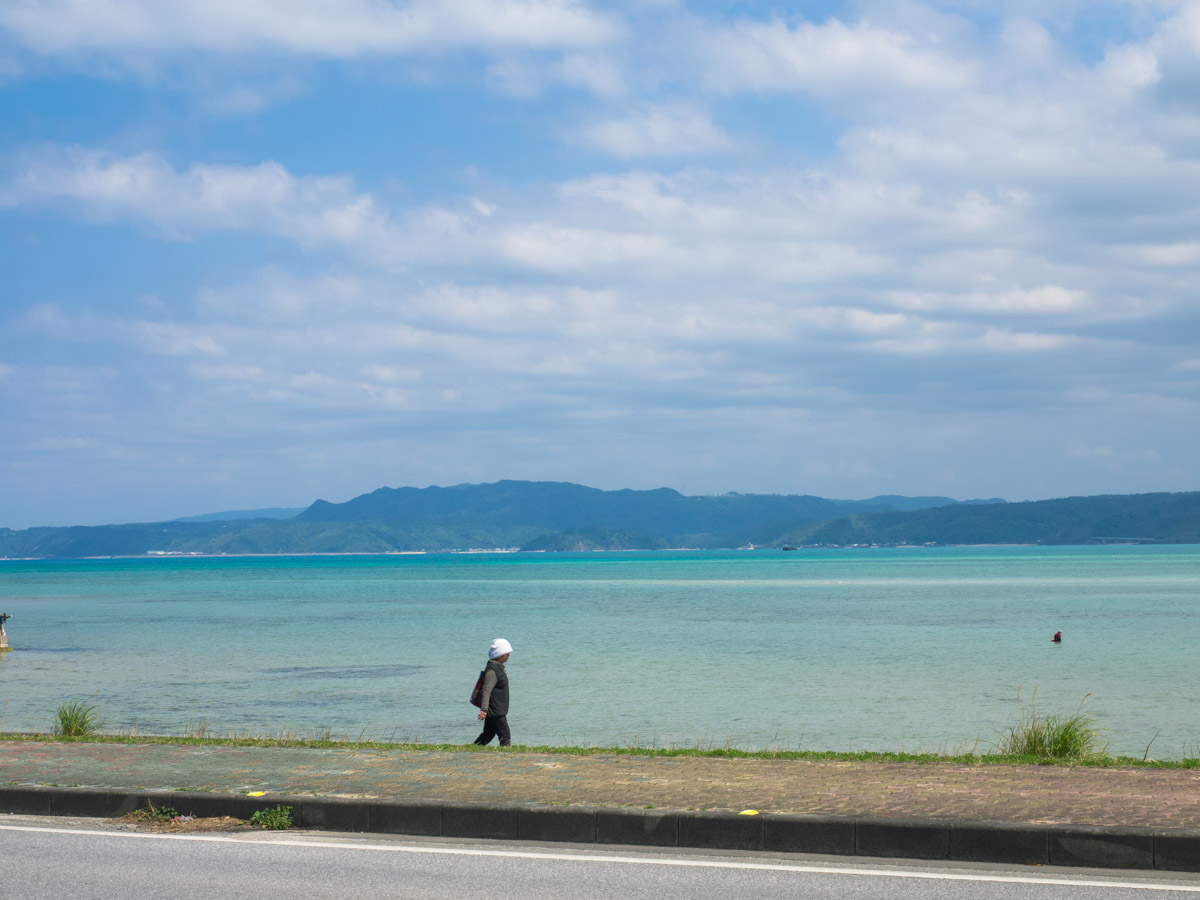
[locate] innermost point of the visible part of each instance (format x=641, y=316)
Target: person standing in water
x=1057, y=637
x=493, y=701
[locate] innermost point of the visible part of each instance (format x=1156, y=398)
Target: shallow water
x=913, y=649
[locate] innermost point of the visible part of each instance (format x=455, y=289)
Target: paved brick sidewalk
x=1159, y=798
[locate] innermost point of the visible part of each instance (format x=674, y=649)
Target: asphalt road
x=47, y=858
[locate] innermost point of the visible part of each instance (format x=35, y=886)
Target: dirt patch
x=144, y=821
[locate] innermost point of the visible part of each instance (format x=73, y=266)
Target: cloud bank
x=922, y=252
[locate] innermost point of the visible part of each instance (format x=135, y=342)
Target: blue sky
x=256, y=253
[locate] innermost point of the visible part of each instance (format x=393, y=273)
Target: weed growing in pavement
x=154, y=813
x=277, y=819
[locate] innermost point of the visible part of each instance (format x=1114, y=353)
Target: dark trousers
x=492, y=726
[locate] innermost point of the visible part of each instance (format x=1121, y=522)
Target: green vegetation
x=1061, y=738
x=1133, y=518
x=152, y=814
x=277, y=819
x=76, y=720
x=595, y=539
x=972, y=759
x=557, y=516
x=1034, y=739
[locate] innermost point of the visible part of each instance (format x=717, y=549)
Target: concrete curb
x=994, y=842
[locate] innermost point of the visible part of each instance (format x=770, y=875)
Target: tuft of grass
x=76, y=719
x=198, y=729
x=1057, y=738
x=277, y=819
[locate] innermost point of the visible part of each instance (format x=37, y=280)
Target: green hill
x=1130, y=518
x=558, y=516
x=562, y=507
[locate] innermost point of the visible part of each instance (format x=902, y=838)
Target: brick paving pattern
x=1160, y=798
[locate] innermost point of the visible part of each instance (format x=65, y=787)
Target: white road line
x=631, y=860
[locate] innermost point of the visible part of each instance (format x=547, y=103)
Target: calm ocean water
x=914, y=649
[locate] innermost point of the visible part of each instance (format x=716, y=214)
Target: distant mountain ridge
x=274, y=512
x=562, y=506
x=555, y=516
x=1109, y=518
x=911, y=504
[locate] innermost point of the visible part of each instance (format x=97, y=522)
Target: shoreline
x=509, y=551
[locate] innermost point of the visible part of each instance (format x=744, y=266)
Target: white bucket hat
x=499, y=648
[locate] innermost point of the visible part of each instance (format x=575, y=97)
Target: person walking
x=493, y=701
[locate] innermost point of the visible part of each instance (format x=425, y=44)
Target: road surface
x=46, y=859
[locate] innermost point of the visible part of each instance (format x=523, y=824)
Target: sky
x=260, y=252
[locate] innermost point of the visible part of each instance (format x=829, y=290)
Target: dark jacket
x=494, y=698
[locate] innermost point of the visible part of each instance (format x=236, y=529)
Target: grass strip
x=971, y=759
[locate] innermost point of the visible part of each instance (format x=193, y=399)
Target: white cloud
x=265, y=198
x=1047, y=299
x=947, y=338
x=929, y=248
x=1028, y=41
x=984, y=231
x=1128, y=69
x=351, y=28
x=527, y=76
x=981, y=245
x=517, y=78
x=245, y=99
x=483, y=207
x=237, y=373
x=656, y=130
x=1183, y=253
x=600, y=75
x=172, y=339
x=1004, y=340
x=385, y=374
x=829, y=59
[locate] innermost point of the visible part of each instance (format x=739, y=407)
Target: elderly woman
x=493, y=702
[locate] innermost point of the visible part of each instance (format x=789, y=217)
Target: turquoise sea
x=904, y=649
